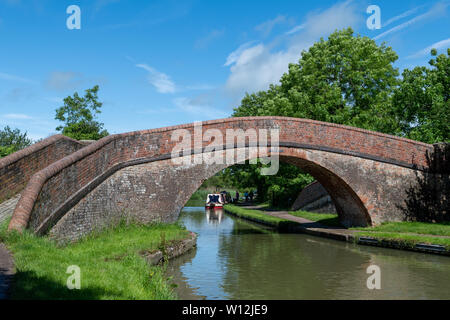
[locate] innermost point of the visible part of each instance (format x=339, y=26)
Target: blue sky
x=162, y=63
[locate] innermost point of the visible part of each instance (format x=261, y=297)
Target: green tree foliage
x=78, y=115
x=280, y=190
x=422, y=101
x=345, y=79
x=12, y=141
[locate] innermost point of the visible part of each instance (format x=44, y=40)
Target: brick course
x=54, y=189
x=17, y=168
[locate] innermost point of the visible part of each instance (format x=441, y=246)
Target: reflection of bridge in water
x=214, y=216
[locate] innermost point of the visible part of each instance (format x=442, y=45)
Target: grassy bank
x=409, y=240
x=439, y=229
x=258, y=216
x=111, y=267
x=407, y=233
x=411, y=233
x=328, y=219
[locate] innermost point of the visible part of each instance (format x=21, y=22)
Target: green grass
x=328, y=219
x=407, y=239
x=111, y=267
x=440, y=229
x=258, y=216
x=410, y=233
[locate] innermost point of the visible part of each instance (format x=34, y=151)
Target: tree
x=78, y=115
x=422, y=101
x=12, y=141
x=345, y=79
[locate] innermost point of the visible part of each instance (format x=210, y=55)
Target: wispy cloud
x=438, y=45
x=210, y=37
x=266, y=27
x=161, y=81
x=192, y=106
x=401, y=16
x=436, y=10
x=64, y=80
x=11, y=77
x=17, y=116
x=236, y=54
x=100, y=4
x=296, y=29
x=255, y=65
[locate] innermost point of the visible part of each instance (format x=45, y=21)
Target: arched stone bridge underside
x=132, y=175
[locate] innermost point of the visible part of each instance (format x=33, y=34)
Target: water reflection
x=214, y=216
x=236, y=259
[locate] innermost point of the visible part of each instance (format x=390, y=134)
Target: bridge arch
x=366, y=173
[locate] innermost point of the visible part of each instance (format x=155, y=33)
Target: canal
x=237, y=259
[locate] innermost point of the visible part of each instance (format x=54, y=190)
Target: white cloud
x=161, y=81
x=254, y=66
x=338, y=16
x=11, y=77
x=266, y=27
x=211, y=36
x=190, y=106
x=234, y=56
x=64, y=80
x=296, y=29
x=17, y=116
x=401, y=16
x=436, y=10
x=438, y=45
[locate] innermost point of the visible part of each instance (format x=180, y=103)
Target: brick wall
x=314, y=198
x=55, y=188
x=17, y=168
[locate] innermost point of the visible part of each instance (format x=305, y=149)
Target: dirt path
x=7, y=271
x=308, y=226
x=316, y=228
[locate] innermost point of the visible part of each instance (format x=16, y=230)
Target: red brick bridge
x=69, y=189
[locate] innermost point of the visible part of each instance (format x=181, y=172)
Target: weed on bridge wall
x=429, y=199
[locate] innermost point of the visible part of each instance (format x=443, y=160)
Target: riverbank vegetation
x=257, y=216
x=328, y=219
x=110, y=264
x=409, y=233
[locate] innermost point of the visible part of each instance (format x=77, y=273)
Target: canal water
x=237, y=259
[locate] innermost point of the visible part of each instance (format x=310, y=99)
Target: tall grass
x=111, y=267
